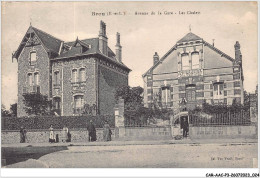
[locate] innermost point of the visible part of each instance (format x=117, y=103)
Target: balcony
x=56, y=85
x=78, y=85
x=31, y=89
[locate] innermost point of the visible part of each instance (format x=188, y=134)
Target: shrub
x=44, y=122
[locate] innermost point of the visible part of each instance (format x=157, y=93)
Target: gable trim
x=160, y=60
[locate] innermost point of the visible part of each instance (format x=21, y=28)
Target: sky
x=141, y=35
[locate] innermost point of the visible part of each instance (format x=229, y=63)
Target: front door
x=191, y=97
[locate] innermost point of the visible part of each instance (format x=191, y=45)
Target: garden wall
x=219, y=132
x=42, y=135
x=145, y=133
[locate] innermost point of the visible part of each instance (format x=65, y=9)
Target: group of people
x=65, y=137
x=92, y=136
x=92, y=132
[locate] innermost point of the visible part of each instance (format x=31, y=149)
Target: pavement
x=137, y=142
x=228, y=155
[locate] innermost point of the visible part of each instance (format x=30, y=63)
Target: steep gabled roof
x=188, y=38
x=63, y=49
x=49, y=42
x=92, y=43
x=160, y=61
x=94, y=49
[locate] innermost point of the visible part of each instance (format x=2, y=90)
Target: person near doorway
x=185, y=127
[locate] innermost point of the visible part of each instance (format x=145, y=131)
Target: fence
x=130, y=122
x=228, y=118
x=14, y=123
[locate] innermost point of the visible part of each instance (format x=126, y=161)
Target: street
x=236, y=155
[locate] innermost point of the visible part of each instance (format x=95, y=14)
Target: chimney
x=155, y=58
x=213, y=40
x=118, y=48
x=238, y=55
x=102, y=38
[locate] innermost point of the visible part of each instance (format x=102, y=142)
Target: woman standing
x=65, y=132
x=51, y=138
x=107, y=132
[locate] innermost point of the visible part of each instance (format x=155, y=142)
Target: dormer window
x=185, y=61
x=32, y=58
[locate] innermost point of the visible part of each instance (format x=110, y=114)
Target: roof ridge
x=183, y=39
x=47, y=34
x=81, y=40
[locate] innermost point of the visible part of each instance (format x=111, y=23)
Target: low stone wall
x=147, y=133
x=223, y=132
x=42, y=136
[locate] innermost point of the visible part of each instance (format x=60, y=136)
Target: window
x=195, y=60
x=191, y=94
x=166, y=95
x=56, y=105
x=56, y=77
x=82, y=75
x=218, y=92
x=36, y=78
x=185, y=61
x=74, y=75
x=30, y=79
x=32, y=58
x=78, y=104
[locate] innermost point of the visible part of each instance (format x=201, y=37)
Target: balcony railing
x=31, y=89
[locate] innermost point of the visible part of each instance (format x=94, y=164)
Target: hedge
x=44, y=122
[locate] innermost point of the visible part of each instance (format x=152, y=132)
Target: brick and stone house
x=72, y=74
x=192, y=72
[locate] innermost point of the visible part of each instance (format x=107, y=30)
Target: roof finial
x=30, y=21
x=190, y=27
x=213, y=42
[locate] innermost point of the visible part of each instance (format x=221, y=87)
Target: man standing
x=22, y=135
x=185, y=127
x=91, y=132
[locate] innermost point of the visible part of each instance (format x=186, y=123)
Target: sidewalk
x=139, y=142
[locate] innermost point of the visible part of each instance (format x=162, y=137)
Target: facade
x=192, y=72
x=72, y=74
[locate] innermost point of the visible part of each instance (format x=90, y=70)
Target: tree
x=36, y=104
x=13, y=109
x=4, y=111
x=133, y=101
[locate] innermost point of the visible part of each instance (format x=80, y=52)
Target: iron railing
x=228, y=118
